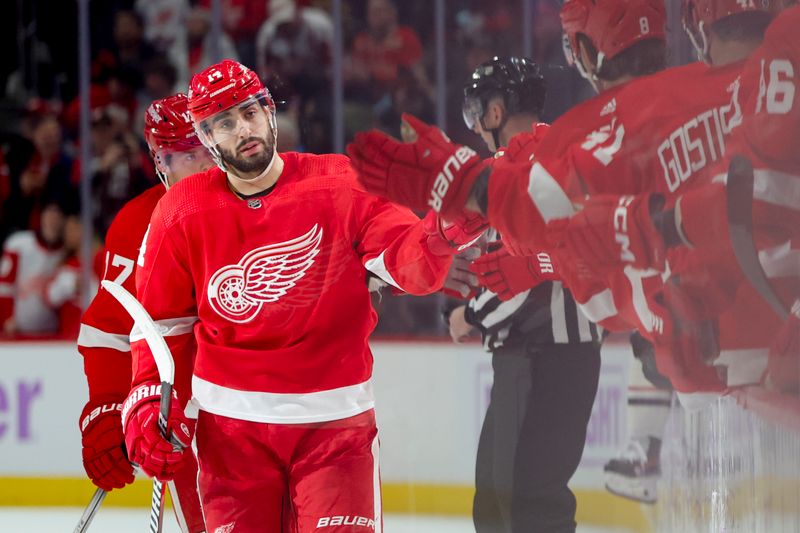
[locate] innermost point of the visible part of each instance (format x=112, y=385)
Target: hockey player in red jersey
x=105, y=327
x=264, y=260
x=612, y=42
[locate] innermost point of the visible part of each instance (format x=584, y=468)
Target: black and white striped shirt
x=546, y=314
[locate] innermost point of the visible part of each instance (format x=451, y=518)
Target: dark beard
x=249, y=164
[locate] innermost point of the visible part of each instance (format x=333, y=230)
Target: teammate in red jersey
x=265, y=260
x=613, y=42
x=103, y=339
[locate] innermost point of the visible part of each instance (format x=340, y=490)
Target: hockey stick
x=739, y=193
x=166, y=373
x=90, y=511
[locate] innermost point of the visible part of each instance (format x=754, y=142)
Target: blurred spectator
x=131, y=52
x=566, y=86
x=293, y=51
x=407, y=96
x=30, y=258
x=241, y=19
x=160, y=77
x=42, y=170
x=380, y=51
x=120, y=168
x=193, y=53
x=294, y=44
x=164, y=21
x=63, y=289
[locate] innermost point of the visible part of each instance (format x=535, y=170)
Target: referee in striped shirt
x=545, y=353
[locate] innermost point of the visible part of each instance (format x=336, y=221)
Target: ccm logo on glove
x=443, y=180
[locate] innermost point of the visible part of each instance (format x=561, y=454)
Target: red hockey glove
x=461, y=283
x=611, y=232
x=783, y=368
x=102, y=439
x=450, y=238
x=146, y=447
x=508, y=275
x=685, y=347
x=432, y=172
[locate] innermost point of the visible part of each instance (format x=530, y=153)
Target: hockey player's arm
x=393, y=245
x=165, y=288
x=104, y=338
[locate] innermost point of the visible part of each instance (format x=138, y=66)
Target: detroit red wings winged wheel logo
x=264, y=275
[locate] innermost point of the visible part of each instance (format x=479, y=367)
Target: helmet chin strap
x=496, y=131
x=264, y=173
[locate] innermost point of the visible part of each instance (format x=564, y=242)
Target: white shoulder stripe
x=378, y=267
x=169, y=327
x=92, y=337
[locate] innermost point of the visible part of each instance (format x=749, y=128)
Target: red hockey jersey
x=768, y=138
x=105, y=327
x=274, y=288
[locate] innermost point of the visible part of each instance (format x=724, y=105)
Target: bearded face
x=245, y=139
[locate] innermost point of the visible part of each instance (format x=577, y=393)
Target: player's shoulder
x=318, y=171
x=311, y=165
x=130, y=223
x=784, y=27
x=192, y=194
x=141, y=206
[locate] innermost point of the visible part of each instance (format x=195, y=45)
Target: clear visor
x=245, y=120
x=472, y=111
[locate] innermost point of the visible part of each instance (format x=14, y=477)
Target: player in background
x=770, y=123
x=681, y=143
x=105, y=327
x=545, y=353
x=674, y=142
x=264, y=260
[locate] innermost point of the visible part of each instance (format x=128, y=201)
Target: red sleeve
x=103, y=339
x=165, y=288
x=392, y=245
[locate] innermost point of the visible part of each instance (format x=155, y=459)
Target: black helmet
x=518, y=80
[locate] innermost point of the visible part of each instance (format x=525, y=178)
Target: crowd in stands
x=143, y=50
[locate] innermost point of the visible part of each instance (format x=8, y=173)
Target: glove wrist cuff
x=93, y=412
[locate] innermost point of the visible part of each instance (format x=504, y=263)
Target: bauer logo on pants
x=345, y=520
x=264, y=275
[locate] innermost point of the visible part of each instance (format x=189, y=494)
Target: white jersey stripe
x=600, y=306
x=378, y=267
x=91, y=337
x=283, y=408
x=547, y=195
x=168, y=327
